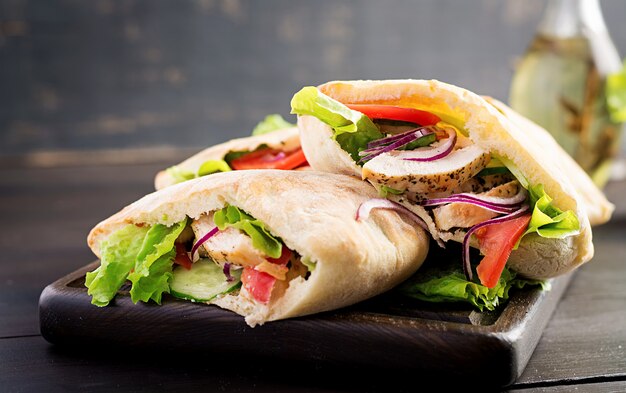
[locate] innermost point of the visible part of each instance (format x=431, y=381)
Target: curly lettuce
x=444, y=282
x=142, y=254
x=271, y=123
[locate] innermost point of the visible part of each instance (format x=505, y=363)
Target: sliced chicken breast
x=465, y=215
x=392, y=170
x=228, y=245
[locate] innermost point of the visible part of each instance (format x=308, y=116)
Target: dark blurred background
x=146, y=77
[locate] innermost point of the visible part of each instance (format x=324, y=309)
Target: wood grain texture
x=373, y=334
x=579, y=349
x=587, y=335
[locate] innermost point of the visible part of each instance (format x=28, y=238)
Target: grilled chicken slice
x=229, y=245
x=392, y=170
x=465, y=215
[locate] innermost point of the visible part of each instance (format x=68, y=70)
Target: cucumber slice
x=203, y=282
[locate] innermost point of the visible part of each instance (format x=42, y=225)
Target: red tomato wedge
x=496, y=243
x=391, y=112
x=284, y=257
x=259, y=284
x=270, y=159
x=182, y=258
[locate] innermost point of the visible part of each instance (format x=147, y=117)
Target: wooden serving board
x=389, y=331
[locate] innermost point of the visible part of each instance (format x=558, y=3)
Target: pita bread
x=493, y=127
x=314, y=215
x=286, y=139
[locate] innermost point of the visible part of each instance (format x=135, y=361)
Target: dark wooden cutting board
x=388, y=331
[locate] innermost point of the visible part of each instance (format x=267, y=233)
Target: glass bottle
x=560, y=83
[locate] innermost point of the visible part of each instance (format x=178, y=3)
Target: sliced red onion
x=467, y=268
x=371, y=153
x=393, y=142
x=496, y=201
x=461, y=199
x=200, y=241
x=425, y=154
x=392, y=138
x=397, y=143
x=226, y=271
x=363, y=212
x=495, y=204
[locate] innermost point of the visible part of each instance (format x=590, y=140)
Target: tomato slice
x=259, y=284
x=391, y=112
x=284, y=257
x=496, y=243
x=270, y=159
x=182, y=258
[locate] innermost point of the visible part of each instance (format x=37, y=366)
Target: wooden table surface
x=47, y=212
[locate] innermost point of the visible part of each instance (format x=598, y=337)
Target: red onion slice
x=496, y=201
x=392, y=138
x=371, y=153
x=426, y=154
x=363, y=212
x=226, y=271
x=467, y=268
x=396, y=143
x=477, y=202
x=200, y=241
x=495, y=204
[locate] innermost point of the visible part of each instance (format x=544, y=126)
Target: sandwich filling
x=424, y=164
x=220, y=252
x=261, y=157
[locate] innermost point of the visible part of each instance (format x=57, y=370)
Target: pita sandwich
x=277, y=147
x=266, y=244
x=471, y=168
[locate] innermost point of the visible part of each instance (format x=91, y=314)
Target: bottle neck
x=572, y=18
x=565, y=19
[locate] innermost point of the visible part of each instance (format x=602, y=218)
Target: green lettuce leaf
x=442, y=280
x=616, y=95
x=271, y=123
x=207, y=168
x=118, y=254
x=352, y=129
x=153, y=266
x=179, y=174
x=213, y=166
x=310, y=265
x=262, y=240
x=383, y=191
x=547, y=220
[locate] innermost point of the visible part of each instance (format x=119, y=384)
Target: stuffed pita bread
x=266, y=244
x=278, y=149
x=471, y=168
